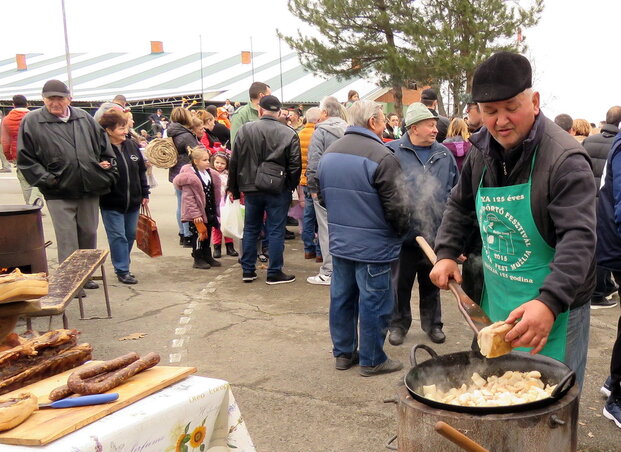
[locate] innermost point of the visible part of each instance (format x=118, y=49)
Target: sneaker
x=388, y=366
x=279, y=278
x=292, y=221
x=612, y=411
x=396, y=337
x=322, y=280
x=249, y=276
x=289, y=235
x=263, y=257
x=90, y=284
x=319, y=259
x=344, y=362
x=607, y=387
x=603, y=304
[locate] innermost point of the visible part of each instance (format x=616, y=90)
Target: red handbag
x=147, y=237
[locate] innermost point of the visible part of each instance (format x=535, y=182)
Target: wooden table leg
x=7, y=325
x=105, y=284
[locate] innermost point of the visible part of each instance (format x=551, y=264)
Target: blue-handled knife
x=70, y=402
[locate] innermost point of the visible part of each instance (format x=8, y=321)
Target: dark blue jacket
x=608, y=250
x=360, y=182
x=429, y=184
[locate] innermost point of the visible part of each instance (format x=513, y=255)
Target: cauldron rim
x=555, y=369
x=18, y=209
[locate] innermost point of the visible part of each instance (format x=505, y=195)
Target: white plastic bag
x=232, y=219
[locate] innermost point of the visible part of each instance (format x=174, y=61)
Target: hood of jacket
x=334, y=125
x=16, y=115
x=175, y=129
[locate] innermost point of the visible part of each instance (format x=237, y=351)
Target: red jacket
x=10, y=127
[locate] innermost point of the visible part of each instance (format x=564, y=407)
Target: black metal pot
x=452, y=370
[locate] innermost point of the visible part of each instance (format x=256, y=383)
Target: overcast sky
x=574, y=49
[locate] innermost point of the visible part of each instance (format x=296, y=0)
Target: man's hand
x=314, y=195
x=198, y=220
x=533, y=328
x=443, y=271
x=145, y=201
x=105, y=164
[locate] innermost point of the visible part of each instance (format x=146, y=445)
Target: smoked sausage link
x=63, y=391
x=76, y=381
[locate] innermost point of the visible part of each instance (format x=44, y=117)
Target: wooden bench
x=65, y=284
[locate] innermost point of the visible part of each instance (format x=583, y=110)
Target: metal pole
x=252, y=59
x=200, y=38
x=67, y=56
x=282, y=88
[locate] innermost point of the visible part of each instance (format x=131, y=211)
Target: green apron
x=516, y=259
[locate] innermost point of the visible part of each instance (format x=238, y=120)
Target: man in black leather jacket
x=67, y=155
x=257, y=142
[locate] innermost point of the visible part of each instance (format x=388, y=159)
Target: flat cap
x=270, y=103
x=55, y=88
x=501, y=77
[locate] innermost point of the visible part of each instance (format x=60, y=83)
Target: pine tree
x=358, y=38
x=399, y=42
x=459, y=34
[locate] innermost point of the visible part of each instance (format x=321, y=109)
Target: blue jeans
x=121, y=232
x=309, y=224
x=578, y=341
x=276, y=207
x=184, y=229
x=360, y=293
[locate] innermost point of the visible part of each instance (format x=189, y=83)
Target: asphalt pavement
x=272, y=343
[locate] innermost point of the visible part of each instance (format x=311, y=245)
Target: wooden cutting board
x=48, y=424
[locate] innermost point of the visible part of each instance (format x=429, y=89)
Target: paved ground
x=272, y=343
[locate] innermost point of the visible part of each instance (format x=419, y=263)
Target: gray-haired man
x=331, y=126
x=67, y=155
x=360, y=182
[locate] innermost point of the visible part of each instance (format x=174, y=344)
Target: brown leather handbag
x=147, y=237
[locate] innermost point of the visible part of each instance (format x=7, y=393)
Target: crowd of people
x=503, y=191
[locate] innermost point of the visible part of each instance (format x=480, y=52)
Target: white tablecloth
x=196, y=414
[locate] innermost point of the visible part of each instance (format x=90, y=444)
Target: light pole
x=67, y=56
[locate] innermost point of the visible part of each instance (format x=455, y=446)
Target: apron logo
x=134, y=158
x=502, y=234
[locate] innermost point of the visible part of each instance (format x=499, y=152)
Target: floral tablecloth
x=195, y=414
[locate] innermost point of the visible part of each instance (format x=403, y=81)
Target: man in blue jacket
x=359, y=182
x=430, y=172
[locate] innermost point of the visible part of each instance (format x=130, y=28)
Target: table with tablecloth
x=195, y=414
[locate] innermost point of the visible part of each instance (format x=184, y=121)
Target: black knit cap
x=500, y=77
x=270, y=103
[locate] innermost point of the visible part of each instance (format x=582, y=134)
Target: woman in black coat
x=121, y=206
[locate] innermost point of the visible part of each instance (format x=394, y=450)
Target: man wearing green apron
x=532, y=190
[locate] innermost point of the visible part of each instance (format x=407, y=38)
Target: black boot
x=201, y=263
x=181, y=239
x=217, y=251
x=187, y=242
x=230, y=250
x=209, y=259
